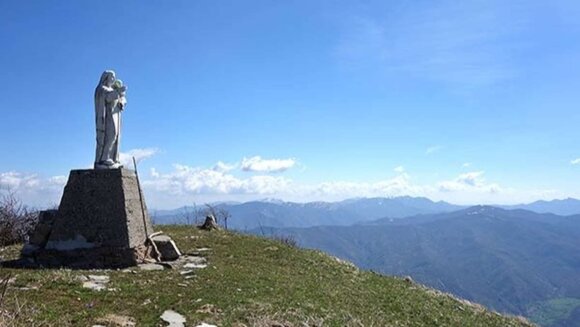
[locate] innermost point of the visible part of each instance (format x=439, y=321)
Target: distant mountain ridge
x=564, y=207
x=278, y=213
x=269, y=213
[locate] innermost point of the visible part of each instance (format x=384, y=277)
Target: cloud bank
x=257, y=164
x=184, y=184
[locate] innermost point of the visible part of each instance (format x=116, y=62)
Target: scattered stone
x=186, y=272
x=208, y=308
x=42, y=230
x=151, y=266
x=173, y=318
x=195, y=265
x=209, y=224
x=203, y=324
x=202, y=250
x=118, y=321
x=99, y=278
x=167, y=248
x=195, y=259
x=94, y=282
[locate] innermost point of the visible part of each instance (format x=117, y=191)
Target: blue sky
x=474, y=102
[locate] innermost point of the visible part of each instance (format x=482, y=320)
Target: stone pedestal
x=102, y=221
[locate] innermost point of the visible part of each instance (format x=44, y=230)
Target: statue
x=109, y=103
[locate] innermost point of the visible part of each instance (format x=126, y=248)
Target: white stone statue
x=109, y=103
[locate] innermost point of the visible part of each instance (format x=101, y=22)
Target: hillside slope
x=250, y=281
x=509, y=260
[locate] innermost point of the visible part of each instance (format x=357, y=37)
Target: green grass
x=549, y=312
x=250, y=281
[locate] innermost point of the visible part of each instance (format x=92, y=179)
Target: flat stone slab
x=151, y=266
x=192, y=265
x=166, y=247
x=173, y=318
x=95, y=282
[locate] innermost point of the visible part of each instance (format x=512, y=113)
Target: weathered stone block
x=43, y=227
x=167, y=248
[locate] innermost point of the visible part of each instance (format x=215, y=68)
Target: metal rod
x=141, y=199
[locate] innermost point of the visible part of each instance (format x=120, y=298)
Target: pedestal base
x=101, y=222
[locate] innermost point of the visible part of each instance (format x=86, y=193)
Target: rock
x=99, y=278
x=209, y=309
x=195, y=265
x=94, y=286
x=210, y=223
x=203, y=324
x=95, y=282
x=195, y=259
x=151, y=266
x=117, y=321
x=42, y=230
x=173, y=318
x=167, y=248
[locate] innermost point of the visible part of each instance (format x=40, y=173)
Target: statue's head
x=107, y=78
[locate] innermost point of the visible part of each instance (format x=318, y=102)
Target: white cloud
x=472, y=181
x=126, y=158
x=433, y=149
x=193, y=180
x=57, y=181
x=397, y=186
x=575, y=161
x=257, y=164
x=224, y=167
x=466, y=165
x=15, y=181
x=185, y=184
x=31, y=189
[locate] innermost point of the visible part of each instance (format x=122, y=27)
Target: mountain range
x=277, y=213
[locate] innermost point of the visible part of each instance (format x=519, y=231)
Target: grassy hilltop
x=249, y=281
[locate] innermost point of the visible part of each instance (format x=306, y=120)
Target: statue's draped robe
x=108, y=122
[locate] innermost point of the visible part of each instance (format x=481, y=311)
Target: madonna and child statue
x=110, y=101
x=102, y=220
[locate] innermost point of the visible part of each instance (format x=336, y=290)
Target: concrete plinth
x=102, y=221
